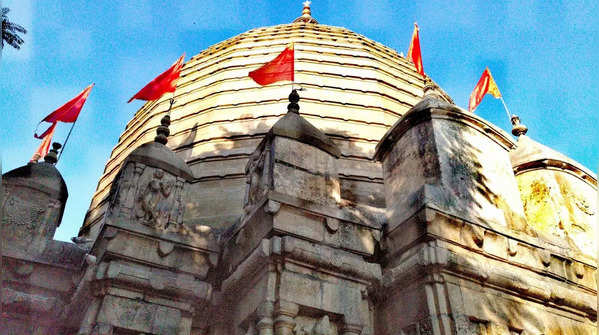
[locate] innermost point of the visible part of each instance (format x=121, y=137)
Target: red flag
x=67, y=112
x=164, y=83
x=278, y=69
x=486, y=84
x=45, y=145
x=414, y=51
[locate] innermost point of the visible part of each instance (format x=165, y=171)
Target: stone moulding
x=183, y=286
x=332, y=259
x=433, y=220
x=294, y=249
x=430, y=258
x=32, y=302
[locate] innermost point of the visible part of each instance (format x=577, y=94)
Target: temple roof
x=356, y=89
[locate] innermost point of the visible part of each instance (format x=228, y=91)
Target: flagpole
x=509, y=115
x=65, y=142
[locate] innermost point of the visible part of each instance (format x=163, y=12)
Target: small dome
x=43, y=177
x=431, y=100
x=530, y=154
x=159, y=156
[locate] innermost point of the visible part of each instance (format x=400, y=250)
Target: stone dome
x=355, y=89
x=42, y=177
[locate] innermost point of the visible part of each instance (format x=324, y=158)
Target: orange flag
x=45, y=145
x=164, y=83
x=486, y=84
x=278, y=69
x=66, y=113
x=414, y=51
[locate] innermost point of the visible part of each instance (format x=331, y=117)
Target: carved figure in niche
x=154, y=203
x=255, y=188
x=321, y=327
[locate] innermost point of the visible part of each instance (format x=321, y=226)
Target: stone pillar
x=285, y=313
x=102, y=329
x=351, y=329
x=90, y=317
x=265, y=318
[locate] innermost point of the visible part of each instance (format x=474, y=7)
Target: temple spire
x=306, y=14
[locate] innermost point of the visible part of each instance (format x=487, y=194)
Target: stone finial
x=162, y=132
x=306, y=14
x=293, y=106
x=52, y=156
x=429, y=86
x=518, y=128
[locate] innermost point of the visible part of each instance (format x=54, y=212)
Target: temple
x=364, y=203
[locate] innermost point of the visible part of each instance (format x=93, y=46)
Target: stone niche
x=559, y=197
x=441, y=157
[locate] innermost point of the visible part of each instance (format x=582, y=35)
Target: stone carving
x=512, y=247
x=321, y=327
x=155, y=202
x=122, y=194
x=251, y=329
x=255, y=174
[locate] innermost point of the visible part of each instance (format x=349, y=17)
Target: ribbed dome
x=355, y=90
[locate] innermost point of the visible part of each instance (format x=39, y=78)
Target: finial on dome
x=162, y=131
x=52, y=155
x=306, y=14
x=293, y=106
x=429, y=86
x=518, y=128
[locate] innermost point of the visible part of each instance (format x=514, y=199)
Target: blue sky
x=543, y=55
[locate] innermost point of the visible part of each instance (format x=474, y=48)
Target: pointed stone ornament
x=162, y=132
x=518, y=128
x=306, y=14
x=52, y=156
x=322, y=327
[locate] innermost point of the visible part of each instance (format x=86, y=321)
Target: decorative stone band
x=314, y=254
x=31, y=302
x=497, y=243
x=467, y=265
x=182, y=286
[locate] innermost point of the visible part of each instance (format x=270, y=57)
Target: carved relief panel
x=149, y=196
x=257, y=177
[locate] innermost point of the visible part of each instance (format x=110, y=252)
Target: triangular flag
x=164, y=83
x=45, y=145
x=486, y=84
x=67, y=112
x=278, y=69
x=414, y=51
